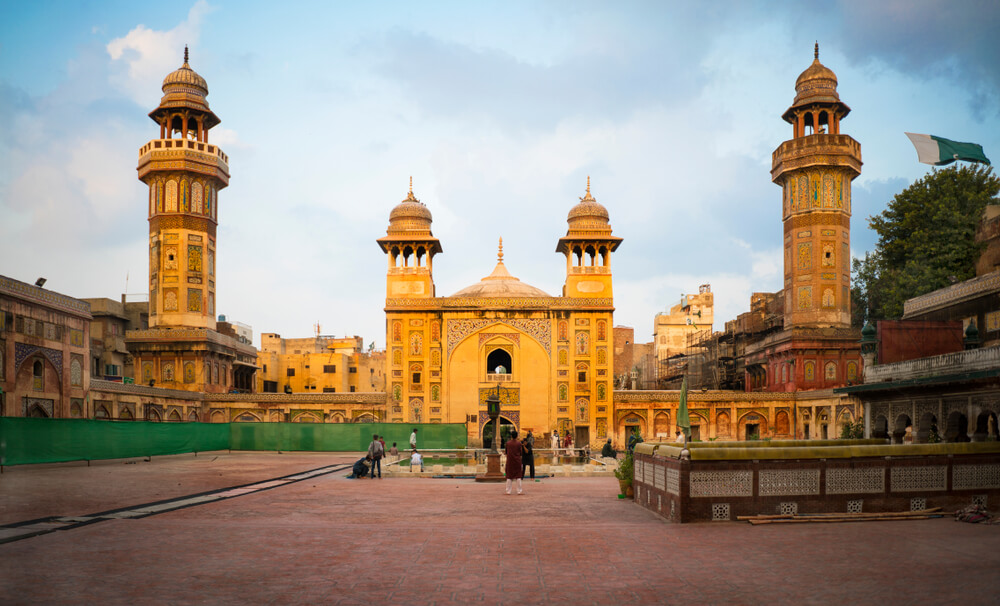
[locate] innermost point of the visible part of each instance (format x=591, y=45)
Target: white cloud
x=141, y=58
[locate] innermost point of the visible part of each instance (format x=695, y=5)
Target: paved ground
x=329, y=540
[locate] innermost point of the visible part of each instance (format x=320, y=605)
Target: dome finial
x=185, y=54
x=816, y=51
x=588, y=185
x=411, y=184
x=500, y=251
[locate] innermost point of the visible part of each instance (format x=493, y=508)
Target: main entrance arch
x=506, y=428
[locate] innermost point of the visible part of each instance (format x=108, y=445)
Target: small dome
x=185, y=77
x=817, y=83
x=500, y=283
x=410, y=215
x=588, y=212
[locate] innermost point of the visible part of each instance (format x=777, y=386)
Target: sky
x=498, y=110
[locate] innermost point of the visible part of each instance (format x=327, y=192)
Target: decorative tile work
x=540, y=330
x=979, y=499
x=659, y=479
x=863, y=480
x=673, y=481
x=22, y=351
x=855, y=505
x=971, y=477
x=509, y=397
x=513, y=416
x=906, y=479
x=720, y=512
x=918, y=503
x=513, y=336
x=788, y=509
x=776, y=482
x=721, y=484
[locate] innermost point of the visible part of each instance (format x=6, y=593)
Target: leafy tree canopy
x=926, y=240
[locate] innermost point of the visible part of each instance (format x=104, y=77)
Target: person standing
x=413, y=439
x=529, y=455
x=555, y=442
x=514, y=470
x=681, y=438
x=384, y=449
x=375, y=452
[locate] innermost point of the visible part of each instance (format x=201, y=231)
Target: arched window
x=38, y=375
x=498, y=361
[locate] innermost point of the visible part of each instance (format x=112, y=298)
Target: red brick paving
x=329, y=540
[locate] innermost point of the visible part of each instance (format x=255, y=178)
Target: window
x=498, y=362
x=329, y=390
x=416, y=378
x=581, y=376
x=353, y=369
x=38, y=375
x=290, y=372
x=329, y=368
x=352, y=389
x=265, y=368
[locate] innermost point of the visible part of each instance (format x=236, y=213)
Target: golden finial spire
x=411, y=185
x=588, y=196
x=500, y=252
x=816, y=51
x=185, y=54
x=588, y=185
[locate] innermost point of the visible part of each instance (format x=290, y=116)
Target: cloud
x=141, y=58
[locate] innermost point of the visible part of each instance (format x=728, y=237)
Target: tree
x=926, y=240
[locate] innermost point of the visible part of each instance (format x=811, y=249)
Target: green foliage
x=926, y=240
x=626, y=468
x=852, y=431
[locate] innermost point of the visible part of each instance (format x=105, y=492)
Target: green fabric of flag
x=683, y=420
x=939, y=151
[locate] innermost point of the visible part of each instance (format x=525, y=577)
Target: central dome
x=817, y=83
x=500, y=284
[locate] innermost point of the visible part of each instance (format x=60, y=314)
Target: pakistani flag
x=683, y=420
x=939, y=151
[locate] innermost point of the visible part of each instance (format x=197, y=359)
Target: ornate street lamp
x=493, y=472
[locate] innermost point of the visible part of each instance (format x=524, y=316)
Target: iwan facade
x=551, y=356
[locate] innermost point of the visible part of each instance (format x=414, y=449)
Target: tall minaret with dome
x=410, y=247
x=588, y=245
x=815, y=169
x=184, y=173
x=182, y=349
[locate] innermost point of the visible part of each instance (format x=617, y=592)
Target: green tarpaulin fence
x=27, y=440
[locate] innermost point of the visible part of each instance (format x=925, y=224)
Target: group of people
x=372, y=460
x=520, y=457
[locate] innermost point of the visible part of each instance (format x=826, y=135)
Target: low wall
x=718, y=484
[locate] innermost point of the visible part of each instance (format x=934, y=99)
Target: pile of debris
x=974, y=514
x=803, y=518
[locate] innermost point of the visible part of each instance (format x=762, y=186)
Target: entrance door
x=752, y=431
x=506, y=427
x=695, y=433
x=629, y=430
x=582, y=437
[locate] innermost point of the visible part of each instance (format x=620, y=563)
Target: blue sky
x=498, y=110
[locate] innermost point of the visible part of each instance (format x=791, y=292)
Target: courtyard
x=222, y=528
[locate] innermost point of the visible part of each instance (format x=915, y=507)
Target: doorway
x=506, y=428
x=582, y=437
x=752, y=431
x=696, y=433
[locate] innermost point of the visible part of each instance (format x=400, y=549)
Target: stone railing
x=953, y=294
x=971, y=360
x=198, y=146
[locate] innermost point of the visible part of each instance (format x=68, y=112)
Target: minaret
x=184, y=174
x=411, y=247
x=588, y=245
x=815, y=169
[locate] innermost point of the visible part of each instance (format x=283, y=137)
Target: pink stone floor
x=330, y=540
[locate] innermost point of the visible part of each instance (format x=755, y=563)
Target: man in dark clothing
x=608, y=450
x=375, y=452
x=360, y=468
x=528, y=458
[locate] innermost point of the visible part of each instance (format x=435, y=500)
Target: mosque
x=550, y=358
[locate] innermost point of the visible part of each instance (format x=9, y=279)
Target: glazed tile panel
x=855, y=481
x=971, y=477
x=779, y=482
x=721, y=483
x=919, y=478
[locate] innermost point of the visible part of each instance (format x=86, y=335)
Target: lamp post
x=493, y=473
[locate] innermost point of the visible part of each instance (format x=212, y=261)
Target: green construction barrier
x=28, y=440
x=341, y=437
